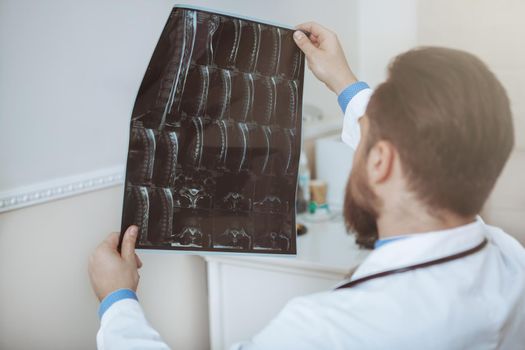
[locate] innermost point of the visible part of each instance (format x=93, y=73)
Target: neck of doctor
x=401, y=211
x=414, y=217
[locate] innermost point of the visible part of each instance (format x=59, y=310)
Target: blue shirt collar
x=381, y=242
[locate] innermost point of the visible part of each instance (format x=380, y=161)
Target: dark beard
x=360, y=218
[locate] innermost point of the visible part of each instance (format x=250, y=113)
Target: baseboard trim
x=60, y=188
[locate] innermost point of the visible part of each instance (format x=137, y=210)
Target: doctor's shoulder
x=506, y=243
x=345, y=319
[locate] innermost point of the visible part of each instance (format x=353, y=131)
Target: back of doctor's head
x=449, y=118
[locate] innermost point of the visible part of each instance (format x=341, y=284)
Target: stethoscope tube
x=416, y=267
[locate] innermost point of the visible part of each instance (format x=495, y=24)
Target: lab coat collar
x=422, y=247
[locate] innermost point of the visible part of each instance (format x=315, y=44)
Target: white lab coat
x=477, y=302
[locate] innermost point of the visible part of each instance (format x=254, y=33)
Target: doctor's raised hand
x=324, y=55
x=110, y=270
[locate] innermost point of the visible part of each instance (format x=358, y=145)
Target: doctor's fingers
x=318, y=33
x=112, y=240
x=304, y=43
x=128, y=245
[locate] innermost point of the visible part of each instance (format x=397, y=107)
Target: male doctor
x=430, y=143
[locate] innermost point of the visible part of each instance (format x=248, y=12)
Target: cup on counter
x=318, y=207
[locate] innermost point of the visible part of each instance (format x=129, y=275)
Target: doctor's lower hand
x=110, y=270
x=324, y=55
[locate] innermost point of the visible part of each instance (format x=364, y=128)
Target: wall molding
x=44, y=192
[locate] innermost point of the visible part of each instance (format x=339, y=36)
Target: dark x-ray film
x=215, y=137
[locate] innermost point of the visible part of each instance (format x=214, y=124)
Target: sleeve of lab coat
x=354, y=111
x=124, y=326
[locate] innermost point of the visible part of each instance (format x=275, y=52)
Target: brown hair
x=449, y=118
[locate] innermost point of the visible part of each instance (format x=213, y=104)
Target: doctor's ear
x=380, y=162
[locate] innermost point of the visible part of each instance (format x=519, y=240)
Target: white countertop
x=326, y=247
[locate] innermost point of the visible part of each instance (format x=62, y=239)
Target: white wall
x=386, y=29
x=71, y=70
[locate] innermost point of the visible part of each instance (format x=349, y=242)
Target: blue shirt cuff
x=113, y=297
x=349, y=92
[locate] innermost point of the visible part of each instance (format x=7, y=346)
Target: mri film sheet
x=215, y=137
